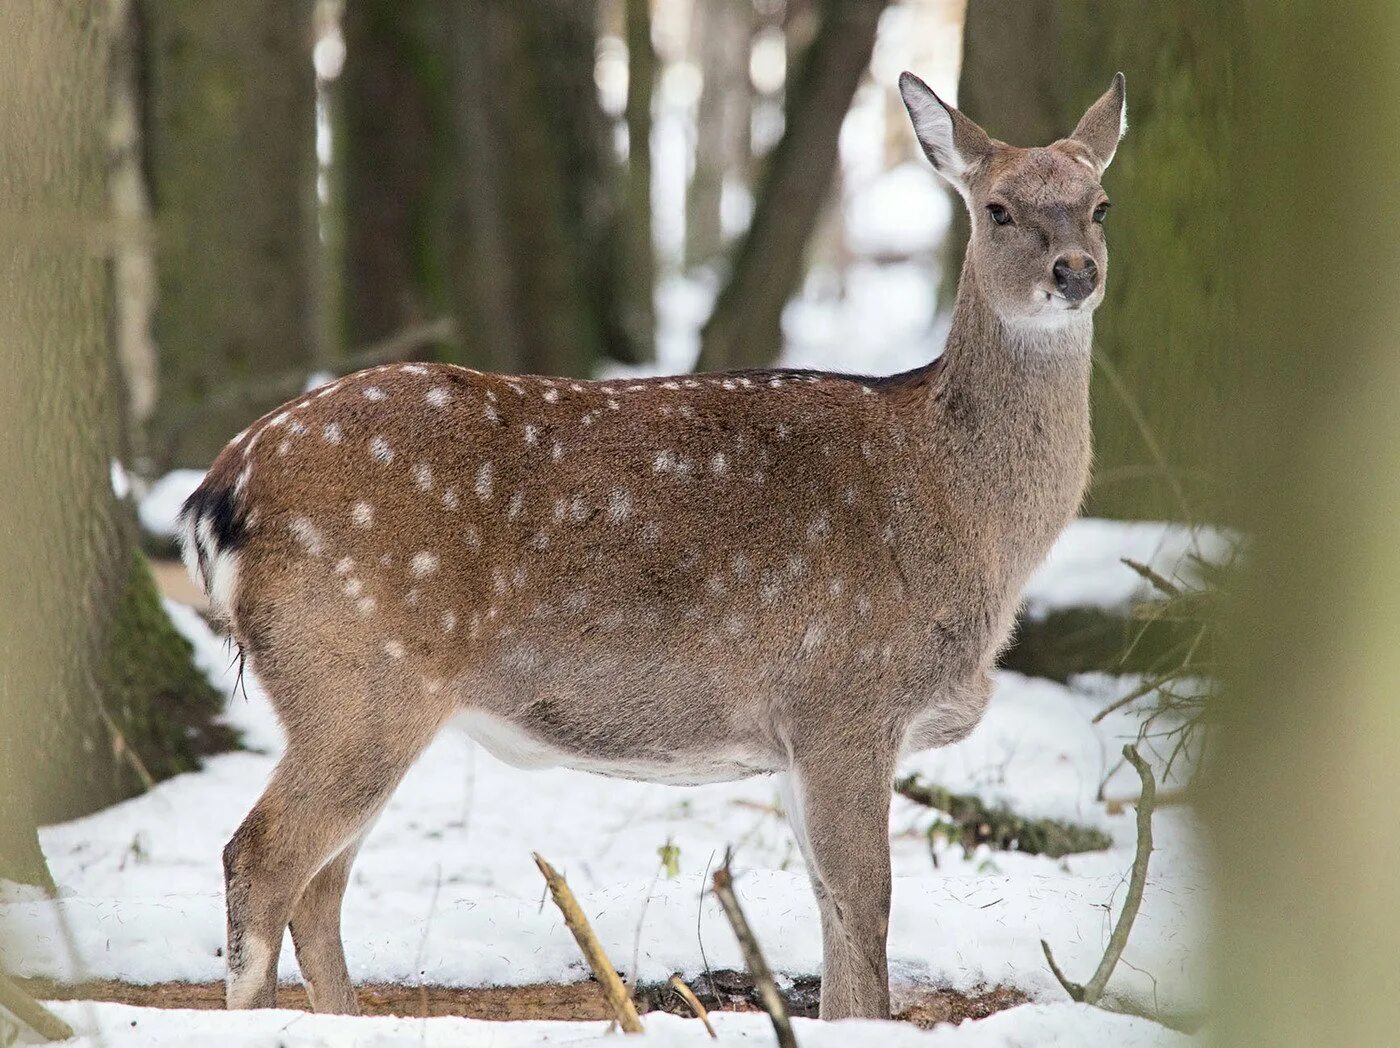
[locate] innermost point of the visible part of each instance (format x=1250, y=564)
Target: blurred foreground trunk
x=230, y=122
x=480, y=183
x=1030, y=67
x=1304, y=796
x=745, y=328
x=96, y=689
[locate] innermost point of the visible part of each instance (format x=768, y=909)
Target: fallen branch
x=976, y=822
x=768, y=994
x=693, y=1003
x=30, y=1012
x=624, y=1012
x=1090, y=992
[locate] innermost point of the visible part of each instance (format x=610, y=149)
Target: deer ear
x=1104, y=123
x=952, y=142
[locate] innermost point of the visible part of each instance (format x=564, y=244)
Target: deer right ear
x=952, y=142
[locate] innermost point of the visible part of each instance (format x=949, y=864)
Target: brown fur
x=682, y=579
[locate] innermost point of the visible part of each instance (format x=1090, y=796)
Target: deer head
x=1037, y=251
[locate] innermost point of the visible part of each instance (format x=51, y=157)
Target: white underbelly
x=513, y=745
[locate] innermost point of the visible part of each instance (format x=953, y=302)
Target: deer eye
x=1101, y=212
x=1000, y=215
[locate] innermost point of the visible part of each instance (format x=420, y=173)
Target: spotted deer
x=680, y=580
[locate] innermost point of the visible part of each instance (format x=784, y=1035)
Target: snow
x=160, y=506
x=445, y=891
x=1085, y=568
x=1046, y=1026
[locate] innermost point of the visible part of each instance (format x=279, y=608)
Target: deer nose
x=1076, y=276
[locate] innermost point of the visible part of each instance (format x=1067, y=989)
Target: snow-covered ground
x=1044, y=1026
x=445, y=891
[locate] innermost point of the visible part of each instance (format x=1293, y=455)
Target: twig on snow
x=624, y=1011
x=768, y=994
x=33, y=1014
x=693, y=1003
x=1090, y=992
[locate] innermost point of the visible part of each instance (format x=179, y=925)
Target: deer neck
x=1009, y=426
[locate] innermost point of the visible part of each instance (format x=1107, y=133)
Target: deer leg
x=315, y=927
x=839, y=804
x=321, y=799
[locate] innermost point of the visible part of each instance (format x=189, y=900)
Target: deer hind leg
x=839, y=805
x=315, y=927
x=326, y=791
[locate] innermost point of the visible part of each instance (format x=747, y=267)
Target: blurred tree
x=1029, y=68
x=638, y=249
x=1303, y=791
x=97, y=691
x=394, y=166
x=480, y=182
x=230, y=139
x=745, y=328
x=722, y=36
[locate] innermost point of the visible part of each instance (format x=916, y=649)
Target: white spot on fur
x=362, y=513
x=448, y=619
x=651, y=533
x=374, y=393
x=556, y=451
x=279, y=418
x=423, y=563
x=492, y=415
x=380, y=449
x=532, y=434
x=437, y=396
x=331, y=433
x=308, y=535
x=393, y=649
x=551, y=395
x=423, y=476
x=812, y=638
x=344, y=566
x=718, y=463
x=619, y=505
x=484, y=481
x=613, y=405
x=664, y=462
x=284, y=447
x=365, y=606
x=818, y=528
x=353, y=587
x=517, y=503
x=450, y=500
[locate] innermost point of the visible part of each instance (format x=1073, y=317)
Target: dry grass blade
x=31, y=1013
x=1090, y=992
x=693, y=1003
x=624, y=1011
x=768, y=994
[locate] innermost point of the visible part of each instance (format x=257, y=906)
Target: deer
x=684, y=579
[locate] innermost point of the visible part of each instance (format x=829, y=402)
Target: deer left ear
x=1105, y=123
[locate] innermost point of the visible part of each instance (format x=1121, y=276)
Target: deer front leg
x=315, y=928
x=838, y=798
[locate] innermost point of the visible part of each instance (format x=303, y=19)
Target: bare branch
x=624, y=1012
x=1091, y=991
x=33, y=1014
x=768, y=994
x=693, y=1003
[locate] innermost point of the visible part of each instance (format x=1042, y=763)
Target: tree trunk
x=723, y=30
x=639, y=265
x=746, y=326
x=394, y=165
x=1030, y=67
x=1302, y=801
x=231, y=160
x=94, y=684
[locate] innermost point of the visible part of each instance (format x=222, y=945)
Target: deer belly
x=520, y=747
